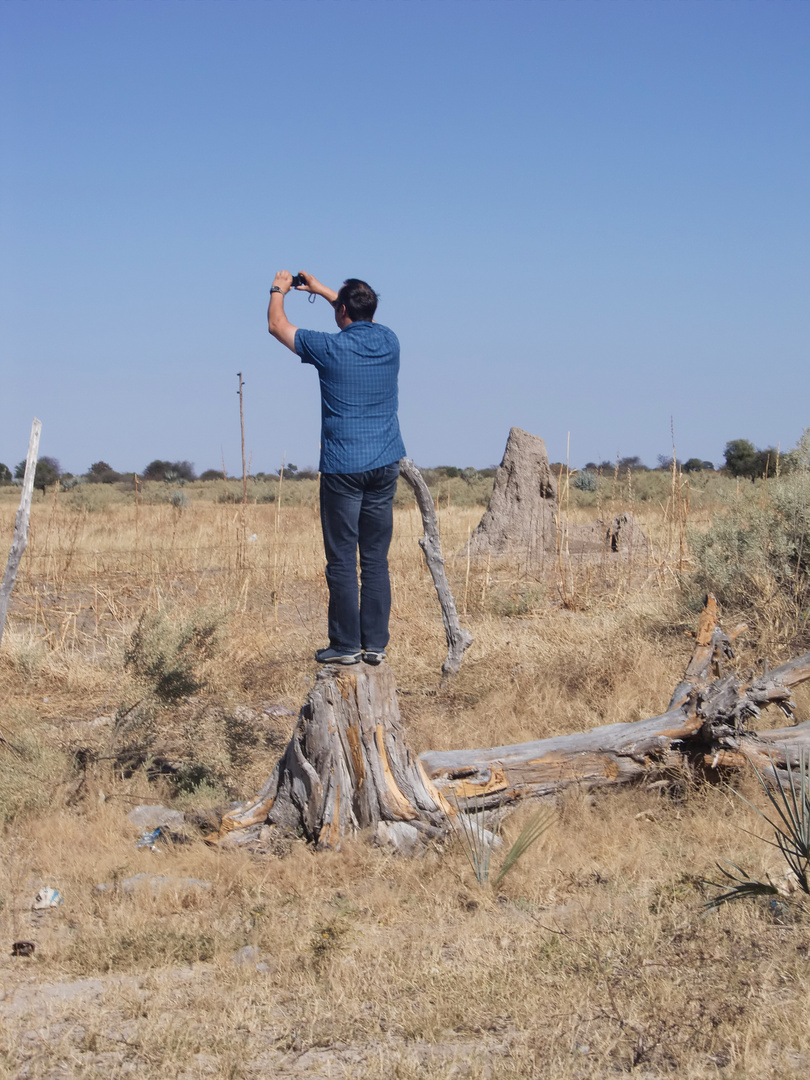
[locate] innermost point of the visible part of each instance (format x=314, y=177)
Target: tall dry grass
x=594, y=957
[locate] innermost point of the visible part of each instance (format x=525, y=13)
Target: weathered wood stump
x=347, y=767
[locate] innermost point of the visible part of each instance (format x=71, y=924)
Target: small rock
x=399, y=835
x=150, y=817
x=277, y=711
x=245, y=715
x=248, y=954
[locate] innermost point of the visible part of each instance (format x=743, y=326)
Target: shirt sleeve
x=313, y=346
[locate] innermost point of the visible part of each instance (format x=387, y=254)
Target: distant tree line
x=741, y=459
x=635, y=464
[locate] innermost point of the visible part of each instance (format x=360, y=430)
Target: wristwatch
x=275, y=288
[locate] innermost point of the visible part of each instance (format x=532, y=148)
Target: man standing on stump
x=360, y=451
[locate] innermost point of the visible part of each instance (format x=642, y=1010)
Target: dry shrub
x=756, y=556
x=32, y=769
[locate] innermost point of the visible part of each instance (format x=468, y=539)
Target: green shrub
x=759, y=550
x=586, y=481
x=165, y=657
x=790, y=821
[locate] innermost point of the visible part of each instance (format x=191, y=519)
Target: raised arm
x=277, y=322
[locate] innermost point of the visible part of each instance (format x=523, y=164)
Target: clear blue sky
x=583, y=216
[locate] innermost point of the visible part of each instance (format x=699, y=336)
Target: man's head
x=358, y=299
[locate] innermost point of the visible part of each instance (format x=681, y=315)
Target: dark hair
x=359, y=299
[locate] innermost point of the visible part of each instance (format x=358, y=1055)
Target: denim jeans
x=357, y=514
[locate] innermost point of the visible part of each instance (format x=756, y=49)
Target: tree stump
x=348, y=767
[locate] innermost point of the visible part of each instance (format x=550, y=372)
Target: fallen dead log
x=705, y=728
x=609, y=755
x=348, y=766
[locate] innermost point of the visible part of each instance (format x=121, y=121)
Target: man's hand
x=284, y=280
x=312, y=285
x=277, y=322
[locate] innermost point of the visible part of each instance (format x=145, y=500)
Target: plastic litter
x=47, y=897
x=160, y=835
x=150, y=839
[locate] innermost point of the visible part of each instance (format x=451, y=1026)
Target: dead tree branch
x=458, y=639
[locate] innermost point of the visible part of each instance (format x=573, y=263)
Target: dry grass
x=594, y=958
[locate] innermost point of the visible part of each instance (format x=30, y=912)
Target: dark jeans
x=357, y=513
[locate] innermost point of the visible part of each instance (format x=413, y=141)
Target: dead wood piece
x=712, y=646
x=458, y=639
x=709, y=728
x=612, y=754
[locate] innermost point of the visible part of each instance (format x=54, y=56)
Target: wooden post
x=242, y=424
x=20, y=540
x=241, y=554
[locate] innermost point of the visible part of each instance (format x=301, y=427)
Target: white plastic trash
x=47, y=898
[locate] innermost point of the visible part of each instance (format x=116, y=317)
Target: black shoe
x=335, y=656
x=373, y=658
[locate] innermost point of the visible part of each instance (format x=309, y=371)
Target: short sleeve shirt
x=358, y=369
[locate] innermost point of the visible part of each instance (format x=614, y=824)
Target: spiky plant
x=477, y=842
x=791, y=827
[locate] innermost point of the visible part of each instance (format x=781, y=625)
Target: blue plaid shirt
x=358, y=370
